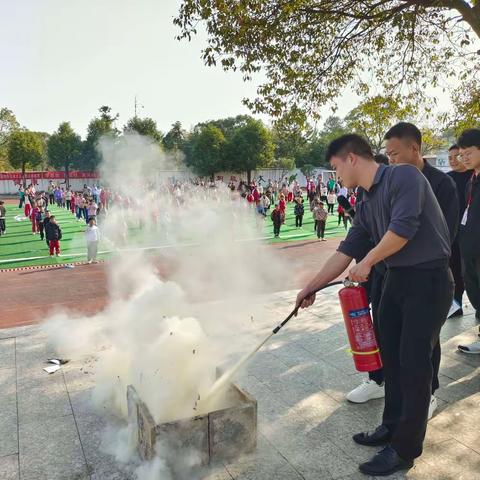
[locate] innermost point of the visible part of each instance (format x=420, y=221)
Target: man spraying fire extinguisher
x=400, y=213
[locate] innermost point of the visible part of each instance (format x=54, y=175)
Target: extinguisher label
x=362, y=330
x=359, y=313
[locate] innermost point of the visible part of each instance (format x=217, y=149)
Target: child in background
x=282, y=205
x=3, y=213
x=331, y=199
x=46, y=219
x=299, y=211
x=91, y=210
x=320, y=215
x=33, y=218
x=79, y=205
x=92, y=236
x=40, y=219
x=276, y=217
x=72, y=203
x=343, y=216
x=54, y=235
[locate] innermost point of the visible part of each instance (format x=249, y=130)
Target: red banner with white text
x=47, y=175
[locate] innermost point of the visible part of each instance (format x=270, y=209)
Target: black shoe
x=456, y=314
x=385, y=462
x=380, y=436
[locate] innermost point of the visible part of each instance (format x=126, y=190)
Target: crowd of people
x=85, y=205
x=320, y=194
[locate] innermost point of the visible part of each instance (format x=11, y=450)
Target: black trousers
x=68, y=204
x=298, y=220
x=375, y=296
x=456, y=268
x=2, y=226
x=330, y=207
x=320, y=228
x=471, y=277
x=412, y=310
x=276, y=228
x=51, y=198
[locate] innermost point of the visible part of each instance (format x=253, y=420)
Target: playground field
x=20, y=248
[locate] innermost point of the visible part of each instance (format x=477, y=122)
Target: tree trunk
x=24, y=180
x=249, y=176
x=67, y=176
x=212, y=177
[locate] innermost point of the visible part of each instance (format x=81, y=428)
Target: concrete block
x=213, y=437
x=9, y=467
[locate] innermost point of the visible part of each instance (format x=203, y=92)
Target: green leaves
x=310, y=50
x=207, y=151
x=64, y=148
x=26, y=149
x=375, y=115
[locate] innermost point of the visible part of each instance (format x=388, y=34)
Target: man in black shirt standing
x=401, y=215
x=404, y=145
x=469, y=235
x=461, y=176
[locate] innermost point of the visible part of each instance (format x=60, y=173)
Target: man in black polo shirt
x=461, y=176
x=400, y=213
x=469, y=235
x=404, y=145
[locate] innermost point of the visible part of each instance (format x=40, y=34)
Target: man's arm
x=389, y=244
x=334, y=267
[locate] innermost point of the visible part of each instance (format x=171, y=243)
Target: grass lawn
x=288, y=232
x=20, y=248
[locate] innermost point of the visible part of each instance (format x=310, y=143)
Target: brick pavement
x=49, y=430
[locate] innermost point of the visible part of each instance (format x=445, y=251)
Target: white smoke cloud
x=167, y=336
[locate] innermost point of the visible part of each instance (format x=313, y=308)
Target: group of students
x=414, y=228
x=81, y=204
x=318, y=197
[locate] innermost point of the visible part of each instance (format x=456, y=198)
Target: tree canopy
x=207, y=151
x=249, y=148
x=144, y=126
x=26, y=149
x=64, y=149
x=310, y=50
x=97, y=128
x=374, y=116
x=8, y=124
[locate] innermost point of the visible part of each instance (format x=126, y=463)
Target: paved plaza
x=49, y=431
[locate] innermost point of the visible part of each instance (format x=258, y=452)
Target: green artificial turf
x=289, y=233
x=19, y=244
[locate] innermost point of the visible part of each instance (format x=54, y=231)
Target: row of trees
x=238, y=144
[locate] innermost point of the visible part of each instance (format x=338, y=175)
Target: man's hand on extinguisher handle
x=305, y=299
x=360, y=272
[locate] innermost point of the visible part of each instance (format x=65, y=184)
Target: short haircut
x=52, y=217
x=350, y=143
x=405, y=131
x=381, y=158
x=453, y=147
x=469, y=138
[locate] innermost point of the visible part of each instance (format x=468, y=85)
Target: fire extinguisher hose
x=294, y=312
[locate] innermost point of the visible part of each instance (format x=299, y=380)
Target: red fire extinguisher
x=358, y=322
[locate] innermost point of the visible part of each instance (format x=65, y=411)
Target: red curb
x=45, y=267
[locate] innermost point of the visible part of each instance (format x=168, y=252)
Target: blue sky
x=61, y=59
